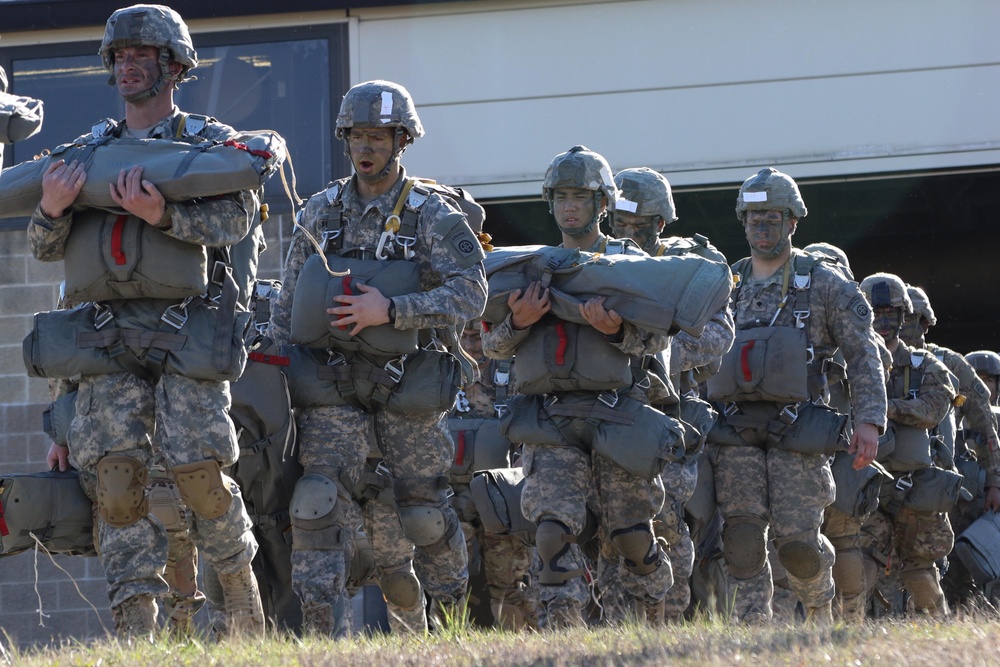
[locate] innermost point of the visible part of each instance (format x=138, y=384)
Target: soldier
x=148, y=50
x=644, y=208
x=920, y=394
x=987, y=366
x=776, y=431
x=562, y=482
x=377, y=121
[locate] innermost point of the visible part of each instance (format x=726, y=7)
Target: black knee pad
x=801, y=559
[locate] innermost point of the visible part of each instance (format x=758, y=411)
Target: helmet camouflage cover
x=921, y=304
x=379, y=104
x=580, y=167
x=149, y=25
x=886, y=290
x=770, y=190
x=643, y=191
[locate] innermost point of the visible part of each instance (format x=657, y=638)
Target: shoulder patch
x=859, y=306
x=460, y=240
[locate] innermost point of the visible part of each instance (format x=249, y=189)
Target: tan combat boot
x=820, y=616
x=136, y=617
x=244, y=612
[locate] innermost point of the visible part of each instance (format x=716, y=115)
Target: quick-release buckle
x=102, y=316
x=329, y=235
x=645, y=383
x=810, y=353
x=395, y=368
x=335, y=358
x=802, y=280
x=407, y=243
x=789, y=413
x=905, y=483
x=462, y=402
x=501, y=378
x=501, y=409
x=800, y=317
x=609, y=398
x=177, y=315
x=384, y=240
x=219, y=271
x=913, y=393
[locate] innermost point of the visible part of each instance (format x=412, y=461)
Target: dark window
x=286, y=80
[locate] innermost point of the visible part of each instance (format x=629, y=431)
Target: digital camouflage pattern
x=119, y=413
x=934, y=397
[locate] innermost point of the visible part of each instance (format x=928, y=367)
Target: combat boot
x=180, y=613
x=244, y=612
x=136, y=617
x=821, y=616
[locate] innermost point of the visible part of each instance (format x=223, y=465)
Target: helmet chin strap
x=779, y=247
x=577, y=232
x=157, y=86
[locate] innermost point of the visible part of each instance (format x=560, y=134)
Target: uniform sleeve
x=279, y=327
x=213, y=222
x=501, y=340
x=687, y=351
x=452, y=268
x=47, y=236
x=637, y=342
x=850, y=327
x=932, y=402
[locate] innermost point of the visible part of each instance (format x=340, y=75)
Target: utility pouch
x=311, y=380
x=934, y=490
x=50, y=505
x=857, y=490
x=725, y=434
x=20, y=117
x=430, y=383
x=886, y=443
x=974, y=476
x=478, y=446
x=912, y=451
x=497, y=496
x=764, y=364
x=526, y=422
x=978, y=547
x=316, y=288
x=701, y=418
x=57, y=418
x=563, y=356
x=205, y=342
x=817, y=430
x=122, y=257
x=644, y=445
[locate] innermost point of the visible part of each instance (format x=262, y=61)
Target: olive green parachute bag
x=48, y=506
x=181, y=170
x=661, y=295
x=20, y=117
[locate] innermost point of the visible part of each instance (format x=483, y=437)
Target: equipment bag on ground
x=49, y=505
x=657, y=294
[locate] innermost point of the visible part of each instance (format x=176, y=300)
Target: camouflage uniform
x=119, y=413
x=506, y=559
x=562, y=483
x=417, y=448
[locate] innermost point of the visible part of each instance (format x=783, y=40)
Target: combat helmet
x=149, y=25
x=831, y=251
x=886, y=290
x=643, y=191
x=985, y=362
x=921, y=304
x=580, y=167
x=375, y=104
x=770, y=190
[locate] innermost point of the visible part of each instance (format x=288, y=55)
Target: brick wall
x=28, y=286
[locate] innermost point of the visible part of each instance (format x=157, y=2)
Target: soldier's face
x=887, y=323
x=137, y=68
x=640, y=228
x=912, y=330
x=572, y=207
x=371, y=150
x=766, y=230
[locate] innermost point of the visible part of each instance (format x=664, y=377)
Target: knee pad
x=849, y=573
x=165, y=504
x=202, y=488
x=401, y=588
x=641, y=552
x=421, y=504
x=121, y=490
x=315, y=513
x=744, y=545
x=800, y=557
x=552, y=540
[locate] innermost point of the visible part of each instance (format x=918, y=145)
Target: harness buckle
x=810, y=353
x=912, y=393
x=730, y=409
x=102, y=316
x=501, y=378
x=176, y=315
x=462, y=402
x=801, y=316
x=329, y=235
x=802, y=281
x=219, y=271
x=609, y=398
x=789, y=413
x=385, y=239
x=501, y=409
x=406, y=243
x=335, y=358
x=905, y=483
x=395, y=368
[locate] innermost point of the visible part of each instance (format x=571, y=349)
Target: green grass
x=968, y=641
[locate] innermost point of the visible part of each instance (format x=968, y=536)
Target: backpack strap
x=331, y=221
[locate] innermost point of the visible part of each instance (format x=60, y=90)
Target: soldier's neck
x=150, y=111
x=765, y=267
x=585, y=242
x=370, y=188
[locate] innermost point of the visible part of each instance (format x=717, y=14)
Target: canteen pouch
x=478, y=446
x=818, y=430
x=497, y=496
x=121, y=257
x=934, y=490
x=316, y=288
x=764, y=364
x=50, y=505
x=857, y=490
x=912, y=449
x=563, y=356
x=66, y=343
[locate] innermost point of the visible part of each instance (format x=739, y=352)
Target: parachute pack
x=20, y=117
x=657, y=294
x=49, y=506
